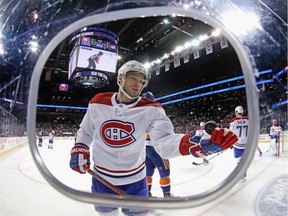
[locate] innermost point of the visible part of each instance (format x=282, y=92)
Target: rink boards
x=9, y=143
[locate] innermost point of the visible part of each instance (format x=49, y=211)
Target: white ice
x=23, y=190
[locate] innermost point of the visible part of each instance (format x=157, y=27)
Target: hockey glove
x=80, y=158
x=220, y=140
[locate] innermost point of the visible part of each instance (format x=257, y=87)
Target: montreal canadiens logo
x=117, y=133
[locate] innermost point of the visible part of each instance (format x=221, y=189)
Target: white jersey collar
x=116, y=103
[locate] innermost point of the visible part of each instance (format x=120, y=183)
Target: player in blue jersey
x=155, y=161
x=40, y=137
x=114, y=128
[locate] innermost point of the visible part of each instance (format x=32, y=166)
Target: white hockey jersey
x=116, y=133
x=239, y=126
x=51, y=136
x=275, y=129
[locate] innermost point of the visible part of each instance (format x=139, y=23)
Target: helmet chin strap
x=125, y=93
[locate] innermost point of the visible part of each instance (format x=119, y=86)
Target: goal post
x=283, y=142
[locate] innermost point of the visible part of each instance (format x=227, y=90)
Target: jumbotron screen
x=90, y=53
x=85, y=57
x=97, y=59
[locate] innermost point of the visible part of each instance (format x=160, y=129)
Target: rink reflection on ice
x=186, y=178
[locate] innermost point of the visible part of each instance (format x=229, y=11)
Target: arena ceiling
x=142, y=39
x=158, y=38
x=145, y=40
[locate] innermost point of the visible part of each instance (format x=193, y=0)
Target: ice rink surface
x=23, y=190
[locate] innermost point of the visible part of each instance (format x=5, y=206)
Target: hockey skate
x=244, y=177
x=150, y=194
x=259, y=150
x=168, y=195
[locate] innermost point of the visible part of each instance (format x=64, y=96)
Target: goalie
x=274, y=136
x=115, y=127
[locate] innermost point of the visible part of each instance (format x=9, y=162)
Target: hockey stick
x=198, y=164
x=43, y=142
x=106, y=183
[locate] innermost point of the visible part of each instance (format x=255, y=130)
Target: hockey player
x=274, y=131
x=94, y=59
x=154, y=160
x=115, y=127
x=51, y=139
x=239, y=125
x=40, y=138
x=198, y=134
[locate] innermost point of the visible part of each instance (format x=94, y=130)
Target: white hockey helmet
x=239, y=110
x=132, y=66
x=53, y=131
x=274, y=121
x=202, y=124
